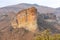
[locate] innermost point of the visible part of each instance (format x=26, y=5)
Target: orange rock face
x=26, y=19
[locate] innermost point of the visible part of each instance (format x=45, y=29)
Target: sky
x=49, y=3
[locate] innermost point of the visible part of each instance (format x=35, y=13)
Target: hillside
x=12, y=10
x=46, y=19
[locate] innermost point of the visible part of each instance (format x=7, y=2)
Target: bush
x=46, y=35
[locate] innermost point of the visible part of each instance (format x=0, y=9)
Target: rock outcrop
x=26, y=18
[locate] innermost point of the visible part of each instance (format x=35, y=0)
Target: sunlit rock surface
x=26, y=18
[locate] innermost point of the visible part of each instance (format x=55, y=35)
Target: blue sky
x=49, y=3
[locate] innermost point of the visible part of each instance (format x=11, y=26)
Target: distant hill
x=18, y=7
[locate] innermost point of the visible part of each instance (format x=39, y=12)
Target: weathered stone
x=26, y=18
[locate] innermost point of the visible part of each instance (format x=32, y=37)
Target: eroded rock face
x=26, y=18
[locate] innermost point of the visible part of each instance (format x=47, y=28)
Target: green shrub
x=46, y=35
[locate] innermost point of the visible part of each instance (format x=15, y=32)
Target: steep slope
x=16, y=34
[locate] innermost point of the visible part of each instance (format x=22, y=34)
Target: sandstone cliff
x=26, y=18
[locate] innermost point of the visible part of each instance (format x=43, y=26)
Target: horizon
x=25, y=3
x=47, y=3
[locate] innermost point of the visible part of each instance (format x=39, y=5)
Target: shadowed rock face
x=26, y=18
